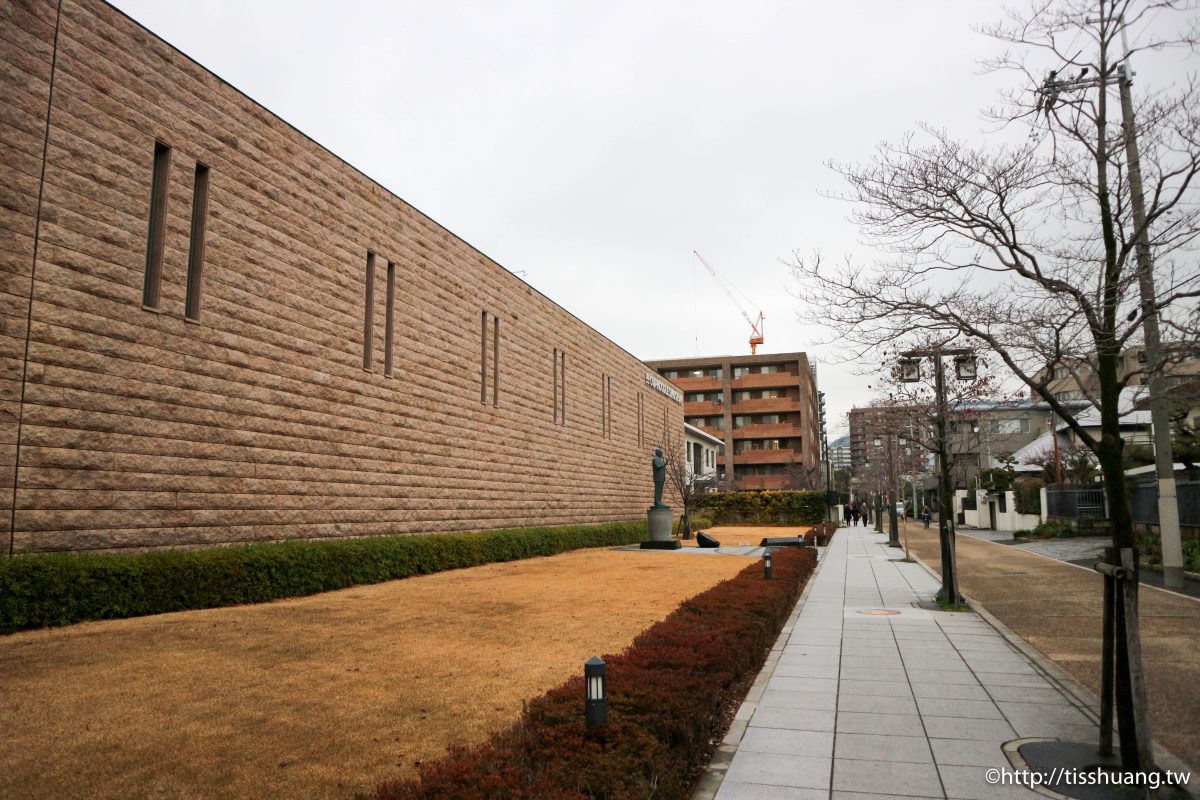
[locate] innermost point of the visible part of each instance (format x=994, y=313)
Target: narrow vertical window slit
x=389, y=316
x=483, y=357
x=369, y=314
x=195, y=272
x=156, y=236
x=496, y=361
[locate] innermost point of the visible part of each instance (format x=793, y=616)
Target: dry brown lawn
x=736, y=535
x=323, y=696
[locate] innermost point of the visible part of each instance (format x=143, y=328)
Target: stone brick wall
x=126, y=427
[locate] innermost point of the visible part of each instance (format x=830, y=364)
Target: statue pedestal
x=660, y=520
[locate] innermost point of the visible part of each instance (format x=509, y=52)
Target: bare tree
x=1076, y=463
x=1035, y=248
x=688, y=485
x=803, y=477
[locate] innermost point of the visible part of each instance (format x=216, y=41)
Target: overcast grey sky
x=591, y=147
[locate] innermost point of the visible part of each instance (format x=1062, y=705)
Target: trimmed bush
x=671, y=696
x=41, y=590
x=1027, y=495
x=1054, y=529
x=765, y=508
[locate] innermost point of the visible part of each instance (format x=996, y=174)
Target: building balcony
x=707, y=408
x=750, y=482
x=716, y=432
x=782, y=430
x=784, y=456
x=696, y=384
x=770, y=380
x=773, y=405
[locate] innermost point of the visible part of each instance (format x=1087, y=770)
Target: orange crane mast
x=756, y=325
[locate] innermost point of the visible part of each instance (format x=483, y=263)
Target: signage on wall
x=659, y=385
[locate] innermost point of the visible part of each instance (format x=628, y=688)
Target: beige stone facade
x=272, y=412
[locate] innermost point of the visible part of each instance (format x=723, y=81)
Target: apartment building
x=763, y=407
x=1076, y=379
x=884, y=446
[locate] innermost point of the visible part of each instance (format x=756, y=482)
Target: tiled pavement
x=863, y=707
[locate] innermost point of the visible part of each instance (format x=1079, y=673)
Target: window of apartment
x=695, y=373
x=716, y=372
x=1068, y=395
x=1060, y=372
x=740, y=371
x=1010, y=426
x=768, y=369
x=741, y=420
x=772, y=394
x=669, y=374
x=769, y=419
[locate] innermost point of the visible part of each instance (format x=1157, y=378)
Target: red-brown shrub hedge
x=671, y=696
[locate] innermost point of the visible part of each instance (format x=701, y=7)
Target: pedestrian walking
x=926, y=514
x=846, y=514
x=854, y=512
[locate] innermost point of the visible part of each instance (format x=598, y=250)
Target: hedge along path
x=322, y=696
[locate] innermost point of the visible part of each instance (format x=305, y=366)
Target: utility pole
x=1123, y=680
x=1168, y=506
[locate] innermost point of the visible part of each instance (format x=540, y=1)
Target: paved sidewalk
x=863, y=706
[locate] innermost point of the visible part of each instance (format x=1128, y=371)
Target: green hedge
x=766, y=508
x=1055, y=529
x=41, y=590
x=1028, y=496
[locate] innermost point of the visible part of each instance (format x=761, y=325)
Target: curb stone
x=1082, y=697
x=714, y=775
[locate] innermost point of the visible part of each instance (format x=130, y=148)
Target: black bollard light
x=767, y=566
x=595, y=705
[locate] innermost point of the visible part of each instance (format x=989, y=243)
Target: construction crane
x=756, y=325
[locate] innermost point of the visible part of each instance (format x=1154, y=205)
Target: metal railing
x=1143, y=502
x=1076, y=502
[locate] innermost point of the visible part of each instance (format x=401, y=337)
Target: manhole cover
x=1072, y=771
x=879, y=612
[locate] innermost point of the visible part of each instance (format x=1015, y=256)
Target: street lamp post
x=965, y=370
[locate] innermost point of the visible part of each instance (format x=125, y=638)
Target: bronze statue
x=660, y=477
